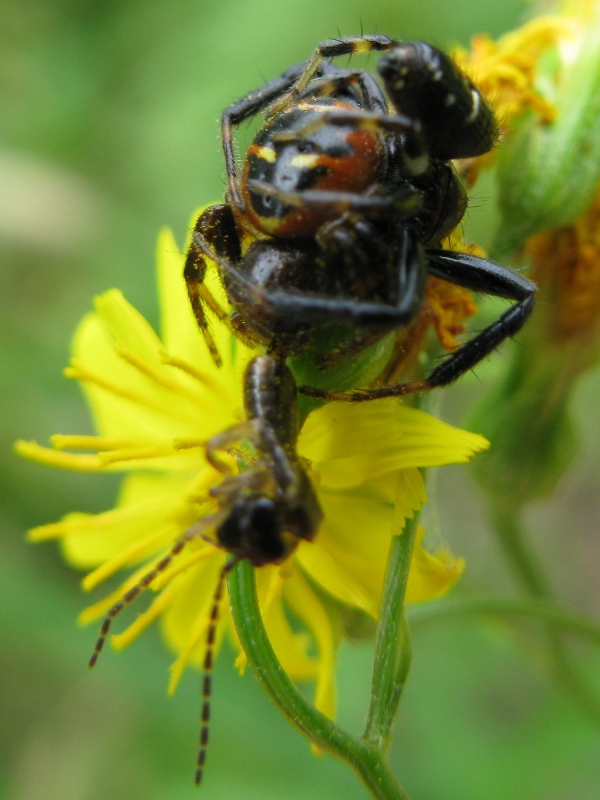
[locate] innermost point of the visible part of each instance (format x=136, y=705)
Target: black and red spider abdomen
x=298, y=152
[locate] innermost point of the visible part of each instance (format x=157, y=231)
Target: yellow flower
x=155, y=403
x=506, y=72
x=566, y=267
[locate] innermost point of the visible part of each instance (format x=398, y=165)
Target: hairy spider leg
x=335, y=81
x=425, y=85
x=405, y=203
x=326, y=309
x=224, y=240
x=478, y=275
x=243, y=109
x=332, y=48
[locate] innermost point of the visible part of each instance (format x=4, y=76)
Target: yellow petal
x=349, y=555
x=291, y=647
x=52, y=458
x=127, y=326
x=137, y=551
x=431, y=574
x=309, y=609
x=351, y=443
x=96, y=538
x=132, y=392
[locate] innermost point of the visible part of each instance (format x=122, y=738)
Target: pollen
x=506, y=70
x=567, y=268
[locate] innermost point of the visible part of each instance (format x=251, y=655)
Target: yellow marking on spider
x=361, y=46
x=305, y=160
x=266, y=153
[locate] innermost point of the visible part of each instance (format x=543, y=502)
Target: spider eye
x=304, y=146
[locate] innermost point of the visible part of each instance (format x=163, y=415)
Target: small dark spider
x=324, y=245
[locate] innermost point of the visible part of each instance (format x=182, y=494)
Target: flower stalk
x=393, y=645
x=366, y=759
x=393, y=653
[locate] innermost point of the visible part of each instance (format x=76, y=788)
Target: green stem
x=512, y=537
x=366, y=760
x=393, y=647
x=560, y=618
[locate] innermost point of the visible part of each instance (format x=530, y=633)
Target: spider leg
x=243, y=109
x=322, y=308
x=364, y=87
x=415, y=152
x=404, y=204
x=216, y=228
x=479, y=275
x=329, y=49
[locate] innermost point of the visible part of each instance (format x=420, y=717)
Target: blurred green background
x=109, y=130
